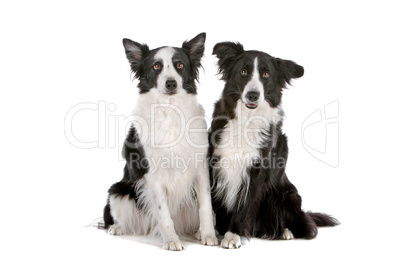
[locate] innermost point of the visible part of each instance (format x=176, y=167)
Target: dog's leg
x=207, y=231
x=161, y=211
x=122, y=211
x=231, y=240
x=299, y=223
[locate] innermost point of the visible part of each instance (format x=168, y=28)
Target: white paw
x=173, y=245
x=287, y=234
x=115, y=230
x=209, y=240
x=231, y=240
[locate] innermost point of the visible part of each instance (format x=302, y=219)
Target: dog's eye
x=157, y=66
x=266, y=75
x=243, y=72
x=180, y=65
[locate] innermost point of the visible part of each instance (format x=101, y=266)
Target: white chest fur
x=239, y=146
x=173, y=133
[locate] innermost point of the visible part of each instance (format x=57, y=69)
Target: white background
x=56, y=55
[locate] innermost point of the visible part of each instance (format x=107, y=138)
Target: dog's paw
x=115, y=230
x=173, y=245
x=209, y=240
x=287, y=234
x=206, y=240
x=231, y=240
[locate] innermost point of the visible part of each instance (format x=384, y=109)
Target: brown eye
x=266, y=75
x=243, y=72
x=157, y=66
x=180, y=65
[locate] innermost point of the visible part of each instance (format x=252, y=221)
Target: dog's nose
x=171, y=85
x=252, y=96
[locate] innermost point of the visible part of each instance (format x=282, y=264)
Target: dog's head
x=254, y=76
x=168, y=70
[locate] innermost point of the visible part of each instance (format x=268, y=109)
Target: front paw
x=173, y=245
x=231, y=240
x=209, y=240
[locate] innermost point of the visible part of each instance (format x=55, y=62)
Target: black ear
x=195, y=49
x=289, y=70
x=227, y=53
x=135, y=53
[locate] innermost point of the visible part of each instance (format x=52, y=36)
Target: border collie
x=251, y=193
x=165, y=188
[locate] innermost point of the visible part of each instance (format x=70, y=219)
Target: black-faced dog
x=251, y=193
x=165, y=188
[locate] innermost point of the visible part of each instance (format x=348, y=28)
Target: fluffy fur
x=251, y=193
x=165, y=188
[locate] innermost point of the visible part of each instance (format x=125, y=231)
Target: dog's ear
x=195, y=49
x=135, y=53
x=288, y=70
x=227, y=53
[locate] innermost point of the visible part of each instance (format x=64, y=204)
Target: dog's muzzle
x=170, y=87
x=252, y=99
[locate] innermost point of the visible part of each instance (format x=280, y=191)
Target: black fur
x=272, y=202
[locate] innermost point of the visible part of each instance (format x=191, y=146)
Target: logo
x=320, y=134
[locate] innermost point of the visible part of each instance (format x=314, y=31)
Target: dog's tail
x=322, y=219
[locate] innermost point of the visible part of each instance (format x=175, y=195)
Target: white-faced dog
x=248, y=151
x=165, y=188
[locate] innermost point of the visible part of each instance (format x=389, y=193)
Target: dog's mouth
x=170, y=92
x=251, y=105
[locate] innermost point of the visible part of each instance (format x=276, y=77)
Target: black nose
x=171, y=85
x=252, y=96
